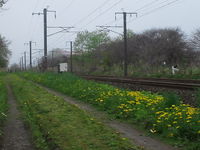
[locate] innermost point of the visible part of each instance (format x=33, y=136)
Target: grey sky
x=19, y=26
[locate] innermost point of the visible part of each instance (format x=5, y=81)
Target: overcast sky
x=19, y=26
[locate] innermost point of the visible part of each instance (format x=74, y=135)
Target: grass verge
x=57, y=124
x=158, y=115
x=3, y=104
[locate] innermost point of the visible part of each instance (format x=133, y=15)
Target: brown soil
x=15, y=135
x=127, y=130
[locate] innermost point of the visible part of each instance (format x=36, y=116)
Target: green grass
x=197, y=97
x=3, y=104
x=56, y=124
x=164, y=116
x=171, y=98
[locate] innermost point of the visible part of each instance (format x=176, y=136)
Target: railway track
x=154, y=82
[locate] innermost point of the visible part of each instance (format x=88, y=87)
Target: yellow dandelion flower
x=171, y=135
x=152, y=130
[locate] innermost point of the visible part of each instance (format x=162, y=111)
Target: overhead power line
x=154, y=10
x=85, y=18
x=108, y=9
x=68, y=6
x=147, y=5
x=29, y=32
x=155, y=4
x=143, y=8
x=91, y=13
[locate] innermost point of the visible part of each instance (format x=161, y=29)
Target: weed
x=161, y=115
x=197, y=97
x=3, y=103
x=55, y=124
x=171, y=98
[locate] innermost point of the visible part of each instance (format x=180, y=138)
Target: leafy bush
x=171, y=98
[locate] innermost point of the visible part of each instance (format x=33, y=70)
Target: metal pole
x=22, y=63
x=71, y=47
x=125, y=40
x=45, y=34
x=52, y=60
x=30, y=44
x=125, y=46
x=24, y=60
x=45, y=38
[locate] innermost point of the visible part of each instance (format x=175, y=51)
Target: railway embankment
x=176, y=122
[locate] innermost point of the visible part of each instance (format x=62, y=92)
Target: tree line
x=152, y=50
x=4, y=50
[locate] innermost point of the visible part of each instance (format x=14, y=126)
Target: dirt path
x=15, y=135
x=127, y=130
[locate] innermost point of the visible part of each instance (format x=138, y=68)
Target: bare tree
x=146, y=51
x=195, y=40
x=158, y=45
x=4, y=52
x=2, y=2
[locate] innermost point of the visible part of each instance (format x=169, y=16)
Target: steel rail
x=167, y=83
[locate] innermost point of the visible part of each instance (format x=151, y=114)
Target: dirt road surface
x=16, y=136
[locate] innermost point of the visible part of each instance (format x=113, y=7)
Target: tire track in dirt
x=15, y=135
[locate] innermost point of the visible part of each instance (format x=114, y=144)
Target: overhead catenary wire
x=154, y=5
x=105, y=11
x=29, y=32
x=108, y=9
x=102, y=5
x=119, y=19
x=105, y=2
x=154, y=10
x=66, y=7
x=141, y=9
x=91, y=13
x=86, y=17
x=146, y=6
x=36, y=25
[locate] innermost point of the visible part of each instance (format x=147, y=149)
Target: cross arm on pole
x=59, y=27
x=53, y=11
x=106, y=28
x=37, y=13
x=109, y=26
x=125, y=13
